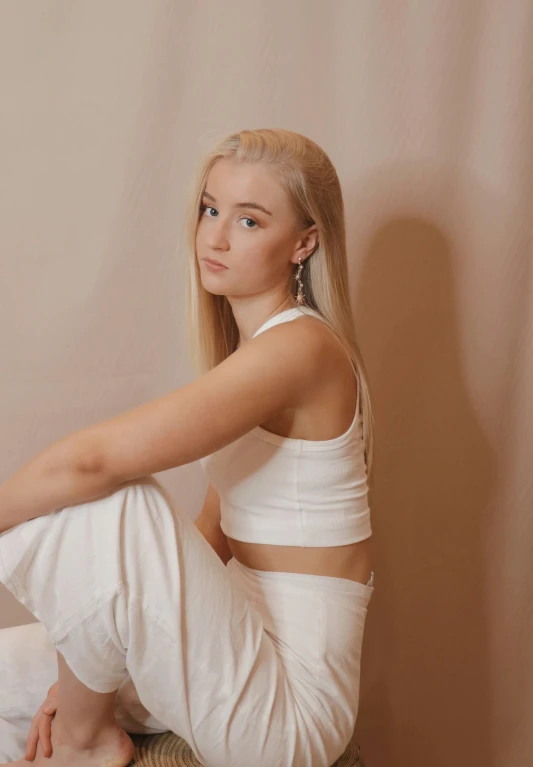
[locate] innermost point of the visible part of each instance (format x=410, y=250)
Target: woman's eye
x=249, y=219
x=203, y=208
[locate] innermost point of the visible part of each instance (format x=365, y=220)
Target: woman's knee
x=61, y=565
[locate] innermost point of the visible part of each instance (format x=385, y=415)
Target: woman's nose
x=217, y=236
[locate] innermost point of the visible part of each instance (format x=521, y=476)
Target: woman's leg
x=83, y=713
x=127, y=586
x=84, y=731
x=28, y=668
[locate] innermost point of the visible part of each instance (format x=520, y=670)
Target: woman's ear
x=307, y=243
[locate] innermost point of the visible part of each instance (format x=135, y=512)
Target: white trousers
x=248, y=667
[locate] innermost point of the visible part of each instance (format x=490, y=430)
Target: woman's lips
x=214, y=266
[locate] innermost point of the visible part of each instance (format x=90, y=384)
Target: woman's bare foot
x=113, y=748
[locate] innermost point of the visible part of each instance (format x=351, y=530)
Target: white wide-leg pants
x=248, y=667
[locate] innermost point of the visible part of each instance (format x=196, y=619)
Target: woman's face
x=258, y=247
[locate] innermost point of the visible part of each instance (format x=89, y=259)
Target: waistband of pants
x=321, y=582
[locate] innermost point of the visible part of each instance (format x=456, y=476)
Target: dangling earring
x=300, y=299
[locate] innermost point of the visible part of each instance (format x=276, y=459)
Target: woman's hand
x=41, y=726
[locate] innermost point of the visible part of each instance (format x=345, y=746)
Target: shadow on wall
x=425, y=677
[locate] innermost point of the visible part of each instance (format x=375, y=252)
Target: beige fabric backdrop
x=426, y=110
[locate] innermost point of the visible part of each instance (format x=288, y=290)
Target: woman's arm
x=63, y=474
x=271, y=373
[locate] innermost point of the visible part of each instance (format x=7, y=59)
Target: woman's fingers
x=40, y=730
x=33, y=738
x=41, y=726
x=45, y=731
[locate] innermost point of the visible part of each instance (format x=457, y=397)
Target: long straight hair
x=308, y=176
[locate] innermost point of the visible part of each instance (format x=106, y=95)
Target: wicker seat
x=169, y=750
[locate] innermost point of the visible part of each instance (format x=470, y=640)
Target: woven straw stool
x=168, y=750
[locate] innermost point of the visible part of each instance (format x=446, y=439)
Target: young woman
x=242, y=632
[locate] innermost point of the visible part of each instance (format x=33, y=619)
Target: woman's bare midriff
x=353, y=561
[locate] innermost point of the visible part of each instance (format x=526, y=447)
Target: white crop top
x=292, y=492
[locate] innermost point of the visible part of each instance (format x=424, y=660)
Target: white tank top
x=292, y=492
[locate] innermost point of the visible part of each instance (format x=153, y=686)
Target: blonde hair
x=311, y=182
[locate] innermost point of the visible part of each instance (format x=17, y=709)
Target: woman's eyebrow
x=242, y=204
